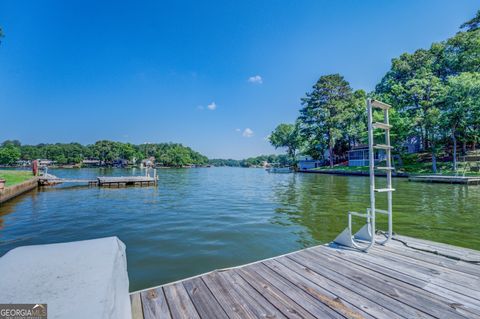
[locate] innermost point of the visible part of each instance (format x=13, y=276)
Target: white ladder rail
x=364, y=239
x=389, y=180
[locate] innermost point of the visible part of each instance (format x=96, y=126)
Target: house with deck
x=358, y=156
x=306, y=162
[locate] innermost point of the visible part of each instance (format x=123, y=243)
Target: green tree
x=169, y=154
x=9, y=154
x=179, y=156
x=432, y=120
x=473, y=24
x=106, y=151
x=461, y=108
x=15, y=143
x=286, y=135
x=462, y=53
x=127, y=151
x=327, y=111
x=414, y=86
x=29, y=152
x=356, y=126
x=224, y=162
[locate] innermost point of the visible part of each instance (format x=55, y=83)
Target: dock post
x=155, y=175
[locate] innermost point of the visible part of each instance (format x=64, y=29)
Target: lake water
x=197, y=220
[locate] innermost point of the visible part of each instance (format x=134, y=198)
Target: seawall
x=15, y=190
x=349, y=173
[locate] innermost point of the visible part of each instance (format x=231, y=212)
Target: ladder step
x=381, y=125
x=384, y=190
x=380, y=105
x=385, y=168
x=382, y=146
x=381, y=211
x=358, y=214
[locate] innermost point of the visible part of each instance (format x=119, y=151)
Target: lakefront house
x=306, y=162
x=358, y=156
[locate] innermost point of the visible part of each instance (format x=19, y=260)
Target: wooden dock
x=468, y=180
x=407, y=278
x=103, y=181
x=119, y=181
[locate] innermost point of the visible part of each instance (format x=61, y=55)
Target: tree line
x=435, y=94
x=166, y=154
x=253, y=161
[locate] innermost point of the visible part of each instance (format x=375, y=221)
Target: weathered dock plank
x=356, y=287
x=304, y=299
x=331, y=300
x=231, y=301
x=264, y=308
x=443, y=249
x=413, y=282
x=274, y=295
x=136, y=302
x=154, y=304
x=406, y=253
x=408, y=278
x=203, y=299
x=395, y=289
x=373, y=309
x=183, y=307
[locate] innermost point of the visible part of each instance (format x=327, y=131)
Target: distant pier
x=101, y=181
x=123, y=181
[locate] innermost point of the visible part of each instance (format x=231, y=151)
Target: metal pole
x=389, y=177
x=371, y=164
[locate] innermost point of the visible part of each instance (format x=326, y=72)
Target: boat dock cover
x=82, y=279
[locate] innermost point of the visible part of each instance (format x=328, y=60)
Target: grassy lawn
x=444, y=168
x=13, y=177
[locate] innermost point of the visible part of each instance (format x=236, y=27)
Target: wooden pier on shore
x=407, y=278
x=468, y=180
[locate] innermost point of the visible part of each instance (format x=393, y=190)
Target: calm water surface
x=198, y=220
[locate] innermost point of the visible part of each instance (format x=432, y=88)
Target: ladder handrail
x=371, y=168
x=367, y=233
x=389, y=179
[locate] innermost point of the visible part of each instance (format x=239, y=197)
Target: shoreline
x=349, y=173
x=106, y=166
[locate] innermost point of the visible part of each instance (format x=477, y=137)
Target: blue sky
x=214, y=75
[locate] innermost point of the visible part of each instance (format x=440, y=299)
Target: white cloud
x=247, y=132
x=212, y=106
x=237, y=130
x=256, y=79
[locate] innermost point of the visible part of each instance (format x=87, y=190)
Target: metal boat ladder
x=364, y=239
